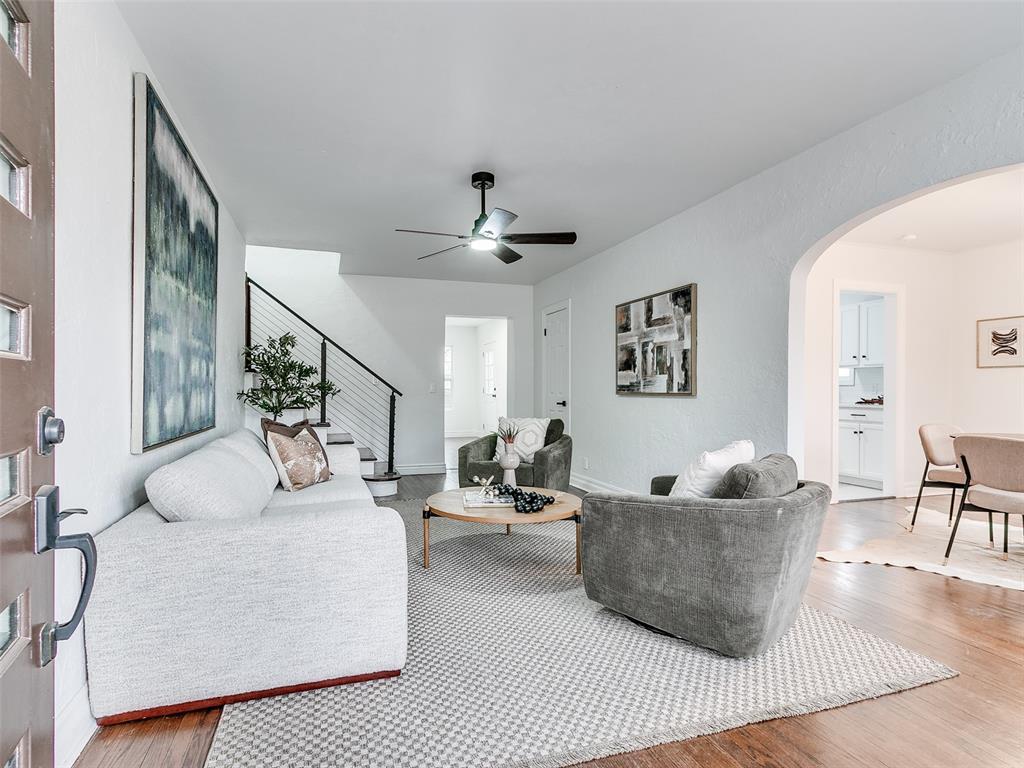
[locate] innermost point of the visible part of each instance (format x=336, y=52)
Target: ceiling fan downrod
x=482, y=180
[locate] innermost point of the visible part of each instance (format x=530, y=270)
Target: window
x=489, y=386
x=448, y=386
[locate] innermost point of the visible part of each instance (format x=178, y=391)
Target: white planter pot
x=293, y=415
x=508, y=461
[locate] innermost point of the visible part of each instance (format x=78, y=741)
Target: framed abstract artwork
x=656, y=344
x=174, y=283
x=1001, y=342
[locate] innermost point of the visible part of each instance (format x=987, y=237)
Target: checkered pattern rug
x=511, y=665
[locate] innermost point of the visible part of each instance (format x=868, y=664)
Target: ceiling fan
x=488, y=232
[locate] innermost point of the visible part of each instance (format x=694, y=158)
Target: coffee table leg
x=508, y=529
x=579, y=531
x=426, y=537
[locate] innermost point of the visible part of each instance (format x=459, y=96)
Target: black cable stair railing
x=365, y=408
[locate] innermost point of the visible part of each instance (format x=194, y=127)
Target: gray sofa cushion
x=772, y=476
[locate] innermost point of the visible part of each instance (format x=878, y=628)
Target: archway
x=812, y=429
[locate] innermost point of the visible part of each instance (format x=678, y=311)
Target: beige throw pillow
x=530, y=439
x=300, y=460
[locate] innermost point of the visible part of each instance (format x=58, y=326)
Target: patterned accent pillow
x=529, y=440
x=300, y=460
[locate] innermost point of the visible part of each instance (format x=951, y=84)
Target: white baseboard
x=464, y=433
x=910, y=492
x=73, y=727
x=420, y=469
x=591, y=484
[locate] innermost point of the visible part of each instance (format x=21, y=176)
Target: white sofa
x=251, y=590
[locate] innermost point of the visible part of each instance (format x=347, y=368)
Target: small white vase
x=508, y=461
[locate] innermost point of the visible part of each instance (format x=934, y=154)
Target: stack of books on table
x=477, y=499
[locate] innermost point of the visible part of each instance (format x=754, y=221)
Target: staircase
x=363, y=414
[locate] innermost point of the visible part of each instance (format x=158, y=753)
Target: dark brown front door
x=26, y=377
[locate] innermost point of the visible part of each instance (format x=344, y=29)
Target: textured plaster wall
x=741, y=247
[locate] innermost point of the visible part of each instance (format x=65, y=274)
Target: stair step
x=365, y=454
x=382, y=477
x=339, y=438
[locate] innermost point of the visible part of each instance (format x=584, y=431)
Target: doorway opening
x=475, y=380
x=866, y=346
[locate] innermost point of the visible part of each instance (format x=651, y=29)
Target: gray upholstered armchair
x=726, y=573
x=549, y=468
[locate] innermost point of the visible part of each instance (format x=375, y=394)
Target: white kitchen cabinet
x=862, y=333
x=872, y=451
x=849, y=335
x=861, y=448
x=872, y=332
x=849, y=449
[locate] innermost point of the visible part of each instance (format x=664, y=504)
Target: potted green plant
x=281, y=382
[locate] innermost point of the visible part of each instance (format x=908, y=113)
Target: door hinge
x=545, y=331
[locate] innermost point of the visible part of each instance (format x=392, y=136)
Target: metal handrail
x=355, y=409
x=324, y=336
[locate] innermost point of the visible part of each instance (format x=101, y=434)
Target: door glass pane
x=12, y=183
x=14, y=761
x=8, y=477
x=10, y=30
x=10, y=330
x=10, y=619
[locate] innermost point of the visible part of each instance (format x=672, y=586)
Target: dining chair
x=993, y=466
x=941, y=469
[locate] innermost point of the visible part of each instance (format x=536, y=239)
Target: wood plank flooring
x=976, y=719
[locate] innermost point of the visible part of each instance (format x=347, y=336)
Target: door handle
x=561, y=403
x=48, y=536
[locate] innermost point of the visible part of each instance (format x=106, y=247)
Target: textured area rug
x=971, y=558
x=511, y=665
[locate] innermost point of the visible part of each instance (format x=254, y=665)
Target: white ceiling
x=326, y=125
x=972, y=214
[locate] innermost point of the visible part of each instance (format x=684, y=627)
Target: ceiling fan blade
x=506, y=254
x=539, y=238
x=496, y=223
x=442, y=234
x=443, y=250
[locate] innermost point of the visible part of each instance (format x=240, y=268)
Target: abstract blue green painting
x=174, y=300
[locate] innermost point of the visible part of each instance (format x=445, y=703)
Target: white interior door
x=557, y=364
x=489, y=386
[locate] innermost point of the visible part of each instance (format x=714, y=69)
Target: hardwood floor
x=976, y=719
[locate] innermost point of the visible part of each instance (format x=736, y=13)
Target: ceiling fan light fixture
x=483, y=244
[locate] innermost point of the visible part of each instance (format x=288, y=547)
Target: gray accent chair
x=549, y=468
x=726, y=573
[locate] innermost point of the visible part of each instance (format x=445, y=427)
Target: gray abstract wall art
x=174, y=286
x=656, y=343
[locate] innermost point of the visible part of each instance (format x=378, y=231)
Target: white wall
x=926, y=283
x=740, y=247
x=463, y=418
x=989, y=283
x=396, y=327
x=95, y=58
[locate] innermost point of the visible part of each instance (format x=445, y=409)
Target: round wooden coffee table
x=449, y=504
